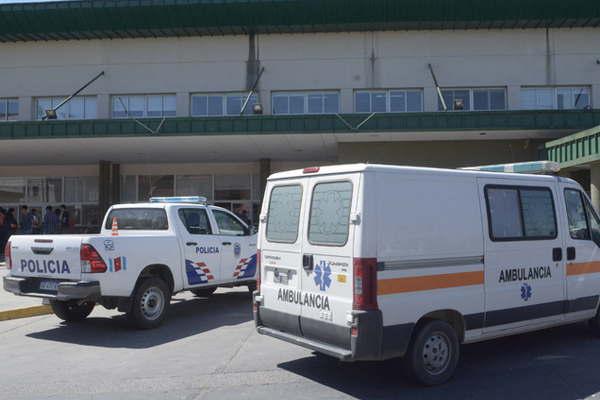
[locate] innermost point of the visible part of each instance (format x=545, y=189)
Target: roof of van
x=349, y=168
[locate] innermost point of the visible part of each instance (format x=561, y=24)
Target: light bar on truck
x=179, y=199
x=532, y=167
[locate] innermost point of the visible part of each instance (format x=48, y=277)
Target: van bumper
x=366, y=345
x=67, y=290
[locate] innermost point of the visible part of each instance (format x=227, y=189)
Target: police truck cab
x=371, y=262
x=144, y=254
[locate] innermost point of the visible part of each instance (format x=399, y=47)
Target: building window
x=144, y=106
x=155, y=185
x=9, y=109
x=218, y=105
x=289, y=103
x=79, y=107
x=393, y=100
x=555, y=98
x=476, y=99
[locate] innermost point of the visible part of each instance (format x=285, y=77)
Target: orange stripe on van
x=429, y=282
x=583, y=268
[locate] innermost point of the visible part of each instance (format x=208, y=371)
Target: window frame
x=471, y=91
x=554, y=90
x=310, y=213
x=107, y=225
x=299, y=214
x=7, y=101
x=518, y=188
x=215, y=209
x=305, y=95
x=180, y=212
x=224, y=102
x=587, y=222
x=85, y=98
x=388, y=99
x=146, y=96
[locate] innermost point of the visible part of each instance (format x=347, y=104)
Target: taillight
x=8, y=255
x=91, y=262
x=365, y=284
x=258, y=270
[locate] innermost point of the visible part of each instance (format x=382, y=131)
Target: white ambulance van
x=370, y=262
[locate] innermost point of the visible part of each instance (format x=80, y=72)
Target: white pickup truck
x=144, y=253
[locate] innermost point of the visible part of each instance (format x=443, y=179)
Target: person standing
x=12, y=222
x=26, y=221
x=64, y=220
x=51, y=222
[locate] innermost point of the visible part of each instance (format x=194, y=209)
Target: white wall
x=344, y=61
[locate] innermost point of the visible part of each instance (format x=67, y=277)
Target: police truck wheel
x=71, y=311
x=433, y=355
x=150, y=303
x=204, y=292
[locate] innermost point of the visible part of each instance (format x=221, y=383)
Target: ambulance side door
x=524, y=260
x=200, y=246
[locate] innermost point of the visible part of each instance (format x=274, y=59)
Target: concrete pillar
x=595, y=186
x=103, y=186
x=183, y=104
x=263, y=174
x=26, y=109
x=104, y=106
x=115, y=181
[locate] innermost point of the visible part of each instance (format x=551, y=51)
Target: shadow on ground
x=559, y=363
x=186, y=318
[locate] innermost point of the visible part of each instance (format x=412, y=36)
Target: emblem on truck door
x=323, y=275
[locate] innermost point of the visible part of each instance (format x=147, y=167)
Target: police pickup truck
x=144, y=253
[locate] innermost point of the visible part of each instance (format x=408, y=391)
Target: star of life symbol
x=323, y=275
x=526, y=291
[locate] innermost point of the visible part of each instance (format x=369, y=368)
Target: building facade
x=165, y=117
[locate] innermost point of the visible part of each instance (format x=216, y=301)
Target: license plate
x=49, y=285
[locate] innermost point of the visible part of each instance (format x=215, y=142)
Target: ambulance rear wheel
x=434, y=352
x=150, y=303
x=71, y=311
x=204, y=292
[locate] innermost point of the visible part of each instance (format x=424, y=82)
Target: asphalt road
x=208, y=349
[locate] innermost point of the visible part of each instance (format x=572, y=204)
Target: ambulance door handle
x=571, y=253
x=557, y=254
x=307, y=262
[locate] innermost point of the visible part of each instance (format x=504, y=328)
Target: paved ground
x=208, y=349
x=9, y=301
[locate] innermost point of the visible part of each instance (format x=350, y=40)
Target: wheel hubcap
x=436, y=353
x=152, y=303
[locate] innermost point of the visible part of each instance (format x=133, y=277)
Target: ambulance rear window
x=284, y=214
x=330, y=214
x=138, y=219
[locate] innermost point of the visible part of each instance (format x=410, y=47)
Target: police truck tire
x=207, y=292
x=434, y=353
x=71, y=311
x=150, y=303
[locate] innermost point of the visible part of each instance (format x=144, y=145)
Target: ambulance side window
x=520, y=213
x=576, y=215
x=195, y=221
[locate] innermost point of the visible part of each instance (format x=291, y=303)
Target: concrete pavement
x=208, y=349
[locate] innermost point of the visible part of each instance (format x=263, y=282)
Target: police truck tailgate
x=53, y=257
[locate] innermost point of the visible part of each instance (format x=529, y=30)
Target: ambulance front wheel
x=434, y=352
x=72, y=311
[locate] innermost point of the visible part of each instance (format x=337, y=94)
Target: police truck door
x=524, y=259
x=200, y=247
x=327, y=260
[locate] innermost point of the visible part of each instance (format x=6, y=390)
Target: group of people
x=54, y=221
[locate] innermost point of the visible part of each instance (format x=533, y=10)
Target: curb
x=25, y=312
